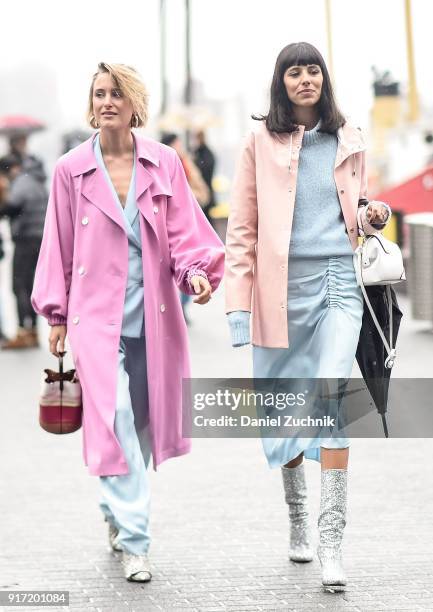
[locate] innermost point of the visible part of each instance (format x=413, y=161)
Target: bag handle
x=61, y=355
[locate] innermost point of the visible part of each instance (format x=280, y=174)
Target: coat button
x=162, y=308
x=76, y=320
x=81, y=270
x=155, y=209
x=352, y=229
x=84, y=220
x=341, y=190
x=282, y=306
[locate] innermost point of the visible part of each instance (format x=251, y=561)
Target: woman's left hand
x=202, y=288
x=377, y=212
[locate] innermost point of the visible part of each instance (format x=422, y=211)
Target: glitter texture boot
x=296, y=498
x=331, y=523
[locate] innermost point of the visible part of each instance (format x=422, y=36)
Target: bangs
x=300, y=54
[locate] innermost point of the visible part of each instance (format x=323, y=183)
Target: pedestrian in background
x=123, y=234
x=198, y=187
x=291, y=234
x=4, y=186
x=25, y=204
x=204, y=159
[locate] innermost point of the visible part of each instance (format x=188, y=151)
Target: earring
x=93, y=121
x=134, y=120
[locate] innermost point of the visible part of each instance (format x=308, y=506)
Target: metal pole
x=163, y=56
x=188, y=76
x=413, y=111
x=329, y=37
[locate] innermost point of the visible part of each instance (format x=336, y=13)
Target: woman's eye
x=117, y=93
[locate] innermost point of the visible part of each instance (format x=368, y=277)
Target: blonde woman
x=123, y=233
x=299, y=193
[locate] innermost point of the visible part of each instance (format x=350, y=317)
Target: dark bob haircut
x=281, y=118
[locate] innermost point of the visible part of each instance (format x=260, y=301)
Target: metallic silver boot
x=296, y=498
x=331, y=523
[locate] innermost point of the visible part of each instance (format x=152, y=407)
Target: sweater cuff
x=56, y=320
x=239, y=323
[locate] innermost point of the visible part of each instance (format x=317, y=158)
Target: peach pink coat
x=260, y=223
x=84, y=228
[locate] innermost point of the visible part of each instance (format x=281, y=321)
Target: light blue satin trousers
x=125, y=499
x=324, y=314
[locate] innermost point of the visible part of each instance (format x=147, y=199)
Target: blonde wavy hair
x=130, y=84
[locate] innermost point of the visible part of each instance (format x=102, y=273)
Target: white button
x=76, y=320
x=81, y=270
x=161, y=260
x=155, y=209
x=162, y=308
x=84, y=220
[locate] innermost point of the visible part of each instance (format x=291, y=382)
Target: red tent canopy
x=412, y=196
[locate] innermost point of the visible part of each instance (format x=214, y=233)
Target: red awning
x=412, y=196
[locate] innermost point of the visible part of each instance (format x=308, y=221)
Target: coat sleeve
x=195, y=248
x=242, y=232
x=364, y=227
x=54, y=267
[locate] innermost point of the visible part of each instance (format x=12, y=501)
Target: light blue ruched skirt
x=324, y=313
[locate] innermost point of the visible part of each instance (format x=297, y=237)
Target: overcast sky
x=235, y=44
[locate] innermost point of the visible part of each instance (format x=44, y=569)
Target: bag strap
x=392, y=353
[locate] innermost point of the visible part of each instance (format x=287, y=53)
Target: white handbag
x=379, y=261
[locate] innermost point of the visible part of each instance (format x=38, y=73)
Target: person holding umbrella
x=292, y=231
x=123, y=234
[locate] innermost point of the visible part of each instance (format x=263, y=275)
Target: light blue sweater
x=318, y=228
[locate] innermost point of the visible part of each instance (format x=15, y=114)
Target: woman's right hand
x=57, y=339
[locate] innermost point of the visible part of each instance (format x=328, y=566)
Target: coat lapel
x=144, y=180
x=96, y=189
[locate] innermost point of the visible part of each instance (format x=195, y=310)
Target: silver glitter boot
x=296, y=498
x=331, y=523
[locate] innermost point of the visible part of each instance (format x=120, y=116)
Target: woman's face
x=111, y=108
x=304, y=84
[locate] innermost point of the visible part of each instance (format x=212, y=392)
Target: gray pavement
x=219, y=523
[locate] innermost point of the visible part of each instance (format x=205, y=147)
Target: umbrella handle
x=385, y=426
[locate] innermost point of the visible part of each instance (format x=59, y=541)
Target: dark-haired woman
x=291, y=234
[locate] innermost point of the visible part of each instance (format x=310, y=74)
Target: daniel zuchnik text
x=278, y=421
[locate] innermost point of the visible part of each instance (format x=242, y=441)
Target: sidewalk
x=219, y=522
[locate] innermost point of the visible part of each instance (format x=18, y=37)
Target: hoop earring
x=93, y=120
x=135, y=120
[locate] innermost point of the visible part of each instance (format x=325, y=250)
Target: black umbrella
x=371, y=354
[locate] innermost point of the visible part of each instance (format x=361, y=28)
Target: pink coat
x=260, y=223
x=84, y=228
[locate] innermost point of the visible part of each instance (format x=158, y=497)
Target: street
x=219, y=522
